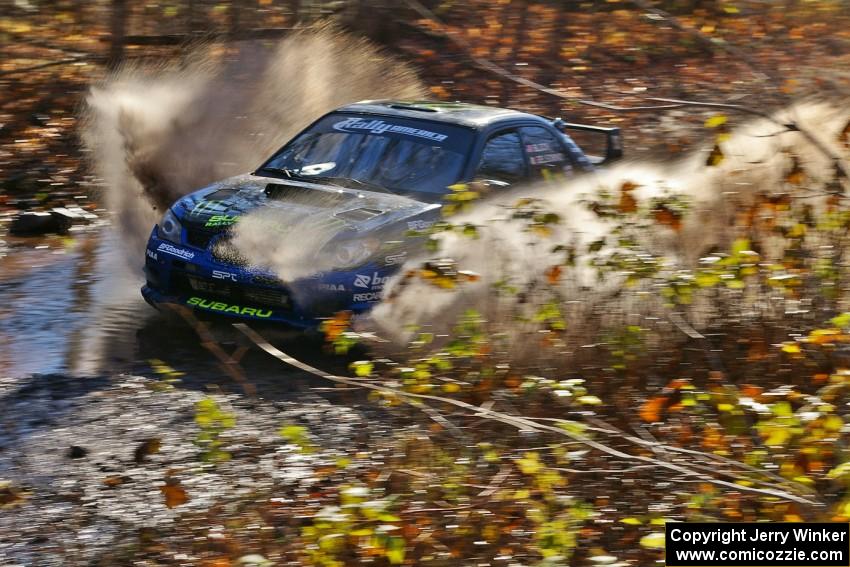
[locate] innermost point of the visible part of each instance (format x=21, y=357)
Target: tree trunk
x=191, y=16
x=118, y=31
x=235, y=15
x=519, y=37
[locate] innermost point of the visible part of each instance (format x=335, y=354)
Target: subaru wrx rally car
x=375, y=172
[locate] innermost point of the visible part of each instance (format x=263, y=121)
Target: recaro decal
x=351, y=125
x=227, y=308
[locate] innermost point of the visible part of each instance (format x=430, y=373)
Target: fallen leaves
x=173, y=492
x=145, y=448
x=11, y=495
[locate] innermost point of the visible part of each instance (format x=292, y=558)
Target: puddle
x=71, y=305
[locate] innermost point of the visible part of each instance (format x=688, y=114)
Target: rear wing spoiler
x=614, y=142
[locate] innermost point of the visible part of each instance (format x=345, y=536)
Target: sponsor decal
x=371, y=296
x=545, y=158
x=221, y=275
x=205, y=207
x=362, y=281
x=375, y=281
x=331, y=287
x=151, y=255
x=395, y=259
x=174, y=251
x=379, y=127
x=536, y=148
x=419, y=224
x=227, y=308
x=221, y=220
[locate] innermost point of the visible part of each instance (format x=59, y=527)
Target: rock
x=77, y=452
x=58, y=219
x=39, y=223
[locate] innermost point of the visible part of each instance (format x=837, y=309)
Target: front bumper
x=185, y=275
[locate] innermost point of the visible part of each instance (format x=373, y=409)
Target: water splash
x=509, y=252
x=156, y=133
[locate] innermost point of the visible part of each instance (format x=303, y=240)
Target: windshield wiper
x=290, y=173
x=343, y=182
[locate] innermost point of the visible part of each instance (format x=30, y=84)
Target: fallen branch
x=520, y=423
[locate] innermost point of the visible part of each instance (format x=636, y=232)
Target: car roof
x=471, y=115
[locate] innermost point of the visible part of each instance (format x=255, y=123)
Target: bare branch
x=519, y=422
x=630, y=108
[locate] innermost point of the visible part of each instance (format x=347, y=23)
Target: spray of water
x=158, y=132
x=508, y=252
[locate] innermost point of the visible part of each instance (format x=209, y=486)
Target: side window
x=546, y=155
x=502, y=158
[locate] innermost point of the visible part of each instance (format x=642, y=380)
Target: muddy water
x=71, y=305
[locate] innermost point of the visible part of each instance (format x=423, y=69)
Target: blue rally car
x=375, y=172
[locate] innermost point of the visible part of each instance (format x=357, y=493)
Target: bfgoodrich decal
x=174, y=251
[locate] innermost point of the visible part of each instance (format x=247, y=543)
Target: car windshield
x=400, y=155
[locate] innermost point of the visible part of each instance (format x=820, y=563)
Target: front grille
x=267, y=281
x=210, y=287
x=266, y=296
x=185, y=284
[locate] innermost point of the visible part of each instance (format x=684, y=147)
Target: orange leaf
x=628, y=204
x=751, y=391
x=553, y=274
x=844, y=136
x=175, y=495
x=652, y=409
x=666, y=217
x=334, y=327
x=795, y=175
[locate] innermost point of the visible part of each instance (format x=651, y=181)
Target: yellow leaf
x=791, y=348
x=530, y=464
x=715, y=157
x=715, y=121
x=655, y=540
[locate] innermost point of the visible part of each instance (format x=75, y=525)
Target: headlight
x=352, y=253
x=169, y=227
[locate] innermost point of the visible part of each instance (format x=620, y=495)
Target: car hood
x=220, y=205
